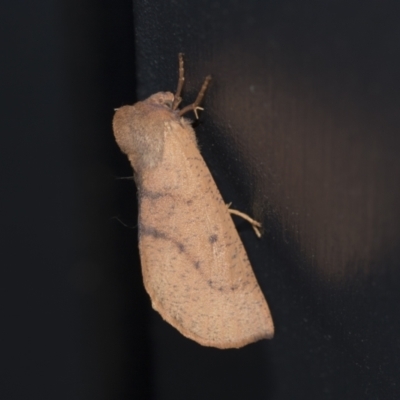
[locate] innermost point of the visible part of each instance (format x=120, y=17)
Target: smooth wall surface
x=300, y=129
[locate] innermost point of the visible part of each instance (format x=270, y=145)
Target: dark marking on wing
x=180, y=246
x=152, y=195
x=213, y=238
x=156, y=234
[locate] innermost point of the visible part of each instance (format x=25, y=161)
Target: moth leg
x=195, y=106
x=125, y=177
x=254, y=224
x=181, y=81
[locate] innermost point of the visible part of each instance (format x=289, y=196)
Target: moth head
x=162, y=99
x=139, y=129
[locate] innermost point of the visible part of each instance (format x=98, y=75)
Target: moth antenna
x=195, y=106
x=181, y=81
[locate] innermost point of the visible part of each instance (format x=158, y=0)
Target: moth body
x=194, y=265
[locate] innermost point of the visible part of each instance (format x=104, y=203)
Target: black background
x=300, y=129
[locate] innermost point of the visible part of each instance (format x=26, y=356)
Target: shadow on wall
x=326, y=171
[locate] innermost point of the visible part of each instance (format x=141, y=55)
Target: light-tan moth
x=194, y=265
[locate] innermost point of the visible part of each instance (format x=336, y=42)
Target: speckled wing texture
x=195, y=268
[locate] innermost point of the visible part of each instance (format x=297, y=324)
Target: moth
x=194, y=265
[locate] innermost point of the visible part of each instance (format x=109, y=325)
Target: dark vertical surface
x=72, y=325
x=300, y=129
